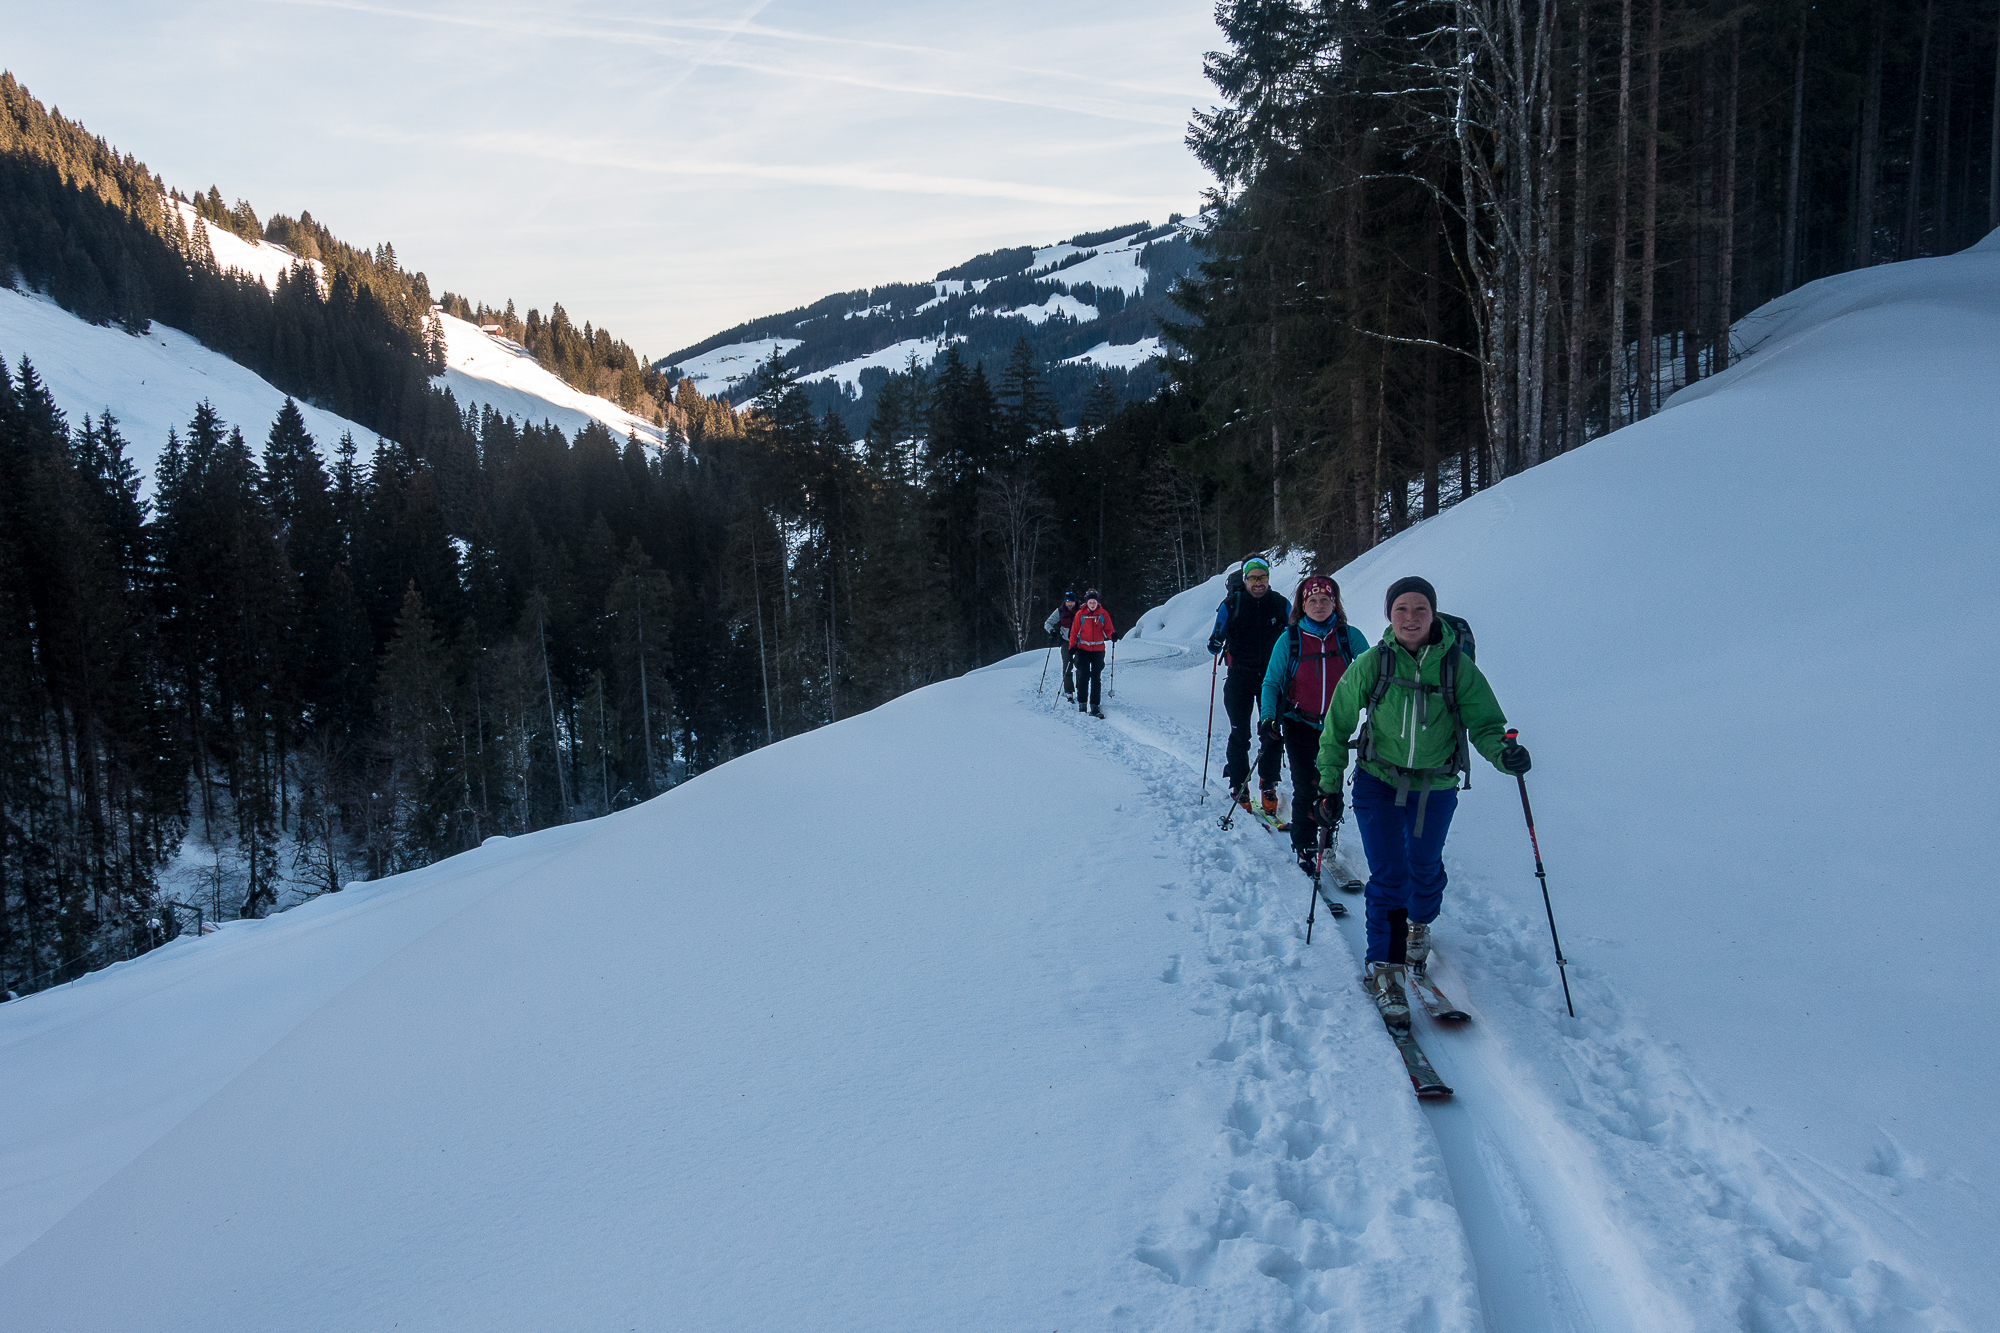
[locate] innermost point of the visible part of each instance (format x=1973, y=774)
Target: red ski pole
x=1562, y=964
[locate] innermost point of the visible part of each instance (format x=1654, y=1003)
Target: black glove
x=1330, y=809
x=1267, y=731
x=1214, y=644
x=1514, y=758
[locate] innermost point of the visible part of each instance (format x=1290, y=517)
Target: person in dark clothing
x=1058, y=625
x=1249, y=620
x=1090, y=634
x=1306, y=665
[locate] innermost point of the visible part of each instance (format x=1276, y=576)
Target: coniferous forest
x=1448, y=240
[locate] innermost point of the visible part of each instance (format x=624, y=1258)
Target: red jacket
x=1091, y=630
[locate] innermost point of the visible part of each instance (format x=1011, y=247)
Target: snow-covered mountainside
x=1090, y=304
x=150, y=383
x=153, y=381
x=485, y=369
x=1047, y=1048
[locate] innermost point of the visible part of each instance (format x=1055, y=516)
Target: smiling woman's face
x=1411, y=616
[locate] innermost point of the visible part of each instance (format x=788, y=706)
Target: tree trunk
x=1579, y=258
x=1946, y=233
x=1620, y=238
x=1791, y=278
x=1725, y=297
x=1863, y=252
x=1432, y=283
x=1915, y=192
x=1993, y=151
x=1649, y=217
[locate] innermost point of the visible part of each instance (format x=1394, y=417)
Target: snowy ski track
x=1578, y=1180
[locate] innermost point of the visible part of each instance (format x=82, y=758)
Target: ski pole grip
x=1511, y=733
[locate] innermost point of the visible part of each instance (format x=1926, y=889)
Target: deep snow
x=1043, y=1047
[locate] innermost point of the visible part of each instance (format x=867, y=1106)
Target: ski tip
x=1431, y=1091
x=1451, y=1016
x=1352, y=886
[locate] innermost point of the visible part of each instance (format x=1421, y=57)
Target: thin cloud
x=715, y=56
x=598, y=153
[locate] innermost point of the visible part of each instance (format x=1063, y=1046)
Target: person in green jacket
x=1433, y=711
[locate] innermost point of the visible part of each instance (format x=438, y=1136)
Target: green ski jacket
x=1412, y=730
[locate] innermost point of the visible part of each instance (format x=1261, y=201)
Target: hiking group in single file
x=1414, y=708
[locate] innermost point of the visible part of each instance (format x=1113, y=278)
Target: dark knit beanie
x=1411, y=584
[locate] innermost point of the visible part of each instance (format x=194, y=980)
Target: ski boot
x=1097, y=713
x=1385, y=982
x=1269, y=797
x=1309, y=862
x=1417, y=945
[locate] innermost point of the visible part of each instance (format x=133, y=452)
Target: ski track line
x=1622, y=1196
x=1320, y=1189
x=1629, y=1165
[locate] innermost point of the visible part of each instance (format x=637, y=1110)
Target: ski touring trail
x=1578, y=1180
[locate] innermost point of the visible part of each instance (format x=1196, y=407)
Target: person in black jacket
x=1058, y=627
x=1249, y=620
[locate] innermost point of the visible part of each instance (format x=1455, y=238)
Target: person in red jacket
x=1090, y=633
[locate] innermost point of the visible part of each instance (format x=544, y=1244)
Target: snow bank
x=982, y=1072
x=1763, y=814
x=151, y=383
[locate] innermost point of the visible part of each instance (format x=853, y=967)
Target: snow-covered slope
x=1050, y=1050
x=484, y=369
x=1088, y=306
x=150, y=383
x=153, y=381
x=262, y=260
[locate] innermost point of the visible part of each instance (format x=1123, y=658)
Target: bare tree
x=1013, y=511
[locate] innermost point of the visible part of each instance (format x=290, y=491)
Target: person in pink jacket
x=1090, y=634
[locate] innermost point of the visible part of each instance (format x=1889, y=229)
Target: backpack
x=1363, y=743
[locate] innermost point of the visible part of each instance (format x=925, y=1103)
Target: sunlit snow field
x=963, y=1014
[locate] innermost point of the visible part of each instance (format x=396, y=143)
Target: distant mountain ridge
x=1087, y=306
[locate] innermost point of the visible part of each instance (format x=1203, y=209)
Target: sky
x=664, y=169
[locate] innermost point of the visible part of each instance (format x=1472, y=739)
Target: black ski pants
x=1240, y=689
x=1089, y=676
x=1069, y=669
x=1302, y=749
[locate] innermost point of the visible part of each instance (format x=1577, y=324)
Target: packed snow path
x=1596, y=1186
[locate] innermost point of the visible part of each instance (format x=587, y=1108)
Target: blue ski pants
x=1405, y=872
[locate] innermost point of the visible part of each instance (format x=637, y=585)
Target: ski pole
x=1208, y=746
x=1111, y=682
x=1045, y=671
x=1319, y=866
x=1562, y=964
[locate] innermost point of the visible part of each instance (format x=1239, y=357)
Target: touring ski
x=1271, y=822
x=1435, y=1004
x=1422, y=1077
x=1333, y=904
